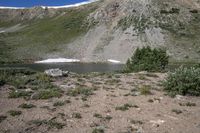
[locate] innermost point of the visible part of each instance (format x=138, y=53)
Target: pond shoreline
x=76, y=67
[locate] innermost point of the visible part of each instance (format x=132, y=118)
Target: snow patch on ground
x=2, y=31
x=113, y=61
x=73, y=5
x=55, y=7
x=4, y=7
x=58, y=60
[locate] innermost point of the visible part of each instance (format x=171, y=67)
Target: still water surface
x=72, y=67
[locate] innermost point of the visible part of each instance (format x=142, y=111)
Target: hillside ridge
x=107, y=29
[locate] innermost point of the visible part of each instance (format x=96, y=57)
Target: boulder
x=56, y=72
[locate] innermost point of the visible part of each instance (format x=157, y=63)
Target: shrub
x=189, y=104
x=80, y=91
x=2, y=80
x=145, y=90
x=2, y=118
x=136, y=122
x=15, y=112
x=49, y=93
x=194, y=11
x=27, y=106
x=19, y=94
x=76, y=115
x=126, y=107
x=59, y=103
x=98, y=130
x=177, y=111
x=147, y=59
x=98, y=115
x=172, y=11
x=50, y=123
x=184, y=81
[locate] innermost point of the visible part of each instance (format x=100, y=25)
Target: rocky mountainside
x=107, y=29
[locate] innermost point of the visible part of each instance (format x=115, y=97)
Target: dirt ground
x=119, y=103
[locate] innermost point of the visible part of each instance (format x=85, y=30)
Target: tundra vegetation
x=184, y=81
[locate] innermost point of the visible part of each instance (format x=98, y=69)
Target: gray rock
x=56, y=72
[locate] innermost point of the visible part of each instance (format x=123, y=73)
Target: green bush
x=98, y=130
x=2, y=81
x=184, y=81
x=59, y=103
x=19, y=94
x=15, y=112
x=50, y=123
x=145, y=90
x=147, y=59
x=76, y=115
x=26, y=106
x=2, y=118
x=80, y=91
x=49, y=93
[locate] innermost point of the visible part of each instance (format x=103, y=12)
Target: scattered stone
x=157, y=123
x=143, y=72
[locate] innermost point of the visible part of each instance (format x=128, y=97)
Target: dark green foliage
x=19, y=93
x=125, y=107
x=2, y=82
x=67, y=101
x=147, y=59
x=98, y=130
x=136, y=122
x=98, y=115
x=2, y=118
x=27, y=106
x=164, y=11
x=172, y=11
x=15, y=112
x=76, y=115
x=48, y=93
x=189, y=104
x=38, y=84
x=80, y=91
x=13, y=77
x=150, y=101
x=50, y=123
x=197, y=65
x=177, y=111
x=194, y=11
x=145, y=90
x=54, y=124
x=59, y=103
x=108, y=118
x=139, y=23
x=184, y=81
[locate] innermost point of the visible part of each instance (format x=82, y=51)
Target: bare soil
x=153, y=112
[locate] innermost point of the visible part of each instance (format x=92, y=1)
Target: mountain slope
x=109, y=29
